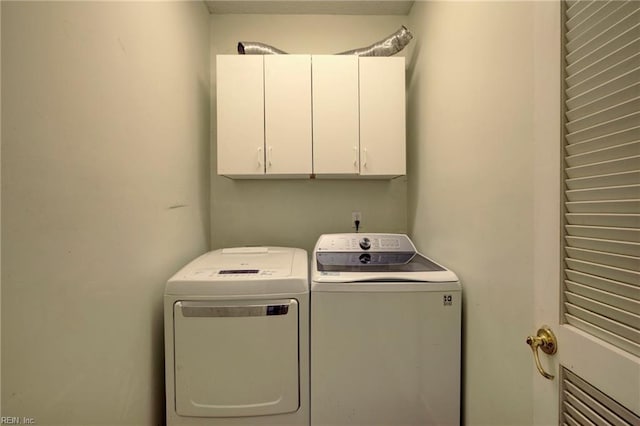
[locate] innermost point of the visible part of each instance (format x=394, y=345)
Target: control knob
x=365, y=243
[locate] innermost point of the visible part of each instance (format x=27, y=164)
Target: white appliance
x=385, y=334
x=237, y=339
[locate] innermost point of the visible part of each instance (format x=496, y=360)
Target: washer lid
x=379, y=267
x=379, y=272
x=369, y=262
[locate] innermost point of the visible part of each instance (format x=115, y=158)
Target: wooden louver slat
x=581, y=400
x=609, y=259
x=610, y=15
x=622, y=192
x=626, y=303
x=613, y=313
x=597, y=65
x=611, y=286
x=577, y=86
x=613, y=179
x=607, y=153
x=611, y=139
x=618, y=274
x=580, y=14
x=602, y=178
x=622, y=109
x=615, y=98
x=605, y=206
x=604, y=232
x=599, y=244
x=582, y=95
x=616, y=165
x=604, y=49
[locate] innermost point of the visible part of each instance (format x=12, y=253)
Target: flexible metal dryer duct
x=255, y=48
x=387, y=47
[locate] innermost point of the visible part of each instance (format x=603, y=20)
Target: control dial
x=365, y=243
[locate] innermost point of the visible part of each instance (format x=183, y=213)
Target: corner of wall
x=413, y=73
x=0, y=208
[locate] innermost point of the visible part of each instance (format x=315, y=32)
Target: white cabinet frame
x=299, y=116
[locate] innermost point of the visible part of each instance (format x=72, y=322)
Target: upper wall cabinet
x=302, y=115
x=336, y=132
x=287, y=106
x=264, y=115
x=240, y=115
x=382, y=117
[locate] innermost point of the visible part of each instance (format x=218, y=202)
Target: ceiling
x=311, y=7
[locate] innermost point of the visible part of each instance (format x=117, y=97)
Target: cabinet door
x=335, y=114
x=287, y=84
x=240, y=114
x=382, y=117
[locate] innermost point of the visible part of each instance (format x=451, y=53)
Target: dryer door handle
x=200, y=309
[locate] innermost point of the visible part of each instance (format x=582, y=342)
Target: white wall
x=295, y=212
x=0, y=211
x=105, y=124
x=470, y=186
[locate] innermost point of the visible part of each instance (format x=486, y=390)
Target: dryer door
x=236, y=358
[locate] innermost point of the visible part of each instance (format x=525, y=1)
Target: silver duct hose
x=387, y=47
x=255, y=48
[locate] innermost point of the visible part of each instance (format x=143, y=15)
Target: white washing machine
x=385, y=334
x=237, y=339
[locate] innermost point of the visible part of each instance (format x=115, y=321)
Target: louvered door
x=601, y=233
x=602, y=171
x=590, y=293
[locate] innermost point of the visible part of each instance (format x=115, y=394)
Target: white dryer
x=237, y=339
x=385, y=334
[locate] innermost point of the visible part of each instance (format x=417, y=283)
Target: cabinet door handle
x=364, y=161
x=270, y=156
x=355, y=156
x=260, y=157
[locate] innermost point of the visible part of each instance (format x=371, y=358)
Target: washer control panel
x=365, y=242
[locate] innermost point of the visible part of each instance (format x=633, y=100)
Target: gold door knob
x=545, y=340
